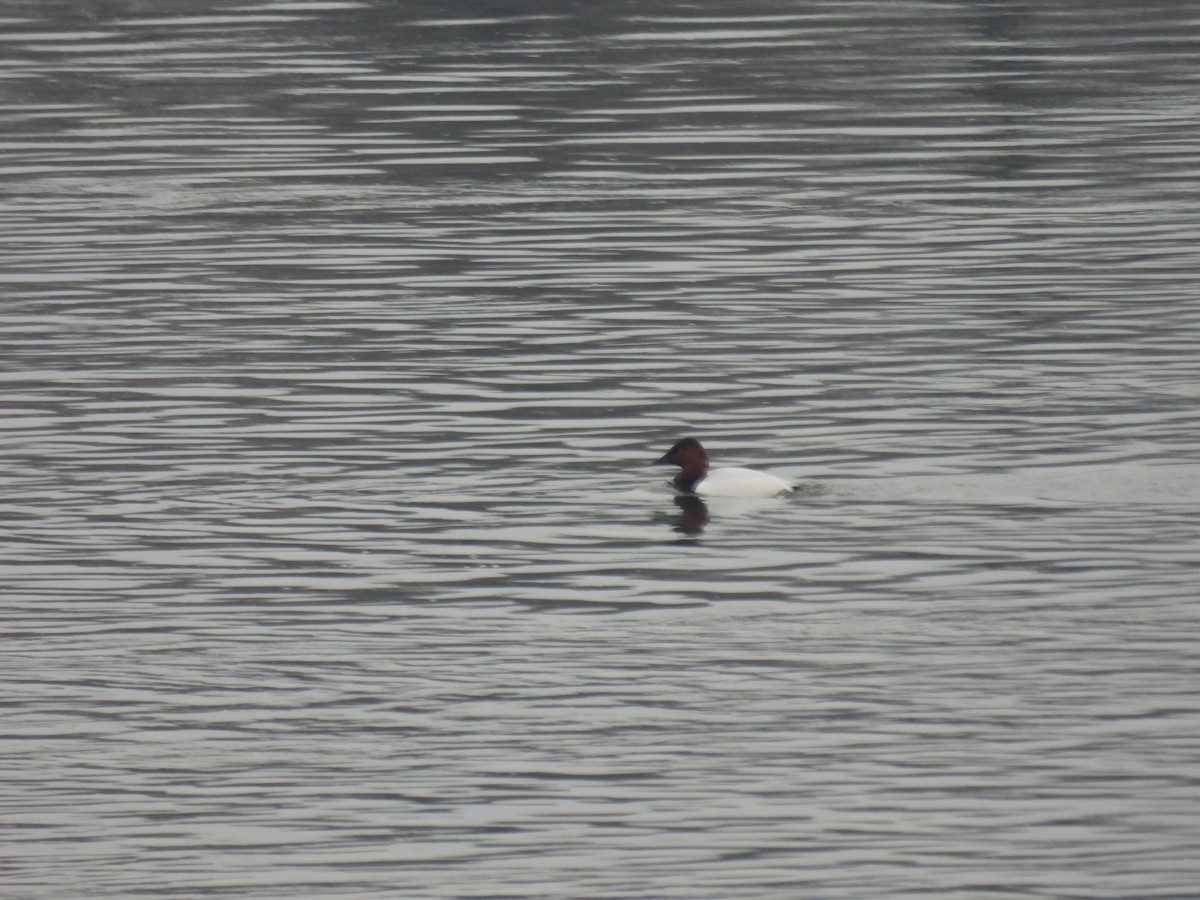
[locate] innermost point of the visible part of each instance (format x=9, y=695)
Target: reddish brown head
x=692, y=462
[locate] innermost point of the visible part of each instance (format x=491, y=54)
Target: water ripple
x=338, y=336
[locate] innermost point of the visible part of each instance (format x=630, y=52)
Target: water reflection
x=693, y=514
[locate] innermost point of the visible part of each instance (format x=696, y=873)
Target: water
x=336, y=338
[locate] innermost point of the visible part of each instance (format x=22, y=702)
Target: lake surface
x=336, y=338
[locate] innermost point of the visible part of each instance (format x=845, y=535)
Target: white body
x=735, y=482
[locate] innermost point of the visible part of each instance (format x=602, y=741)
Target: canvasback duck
x=696, y=477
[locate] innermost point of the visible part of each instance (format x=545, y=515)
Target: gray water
x=336, y=338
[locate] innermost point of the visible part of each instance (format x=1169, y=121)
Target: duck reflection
x=693, y=514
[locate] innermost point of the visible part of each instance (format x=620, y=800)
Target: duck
x=695, y=477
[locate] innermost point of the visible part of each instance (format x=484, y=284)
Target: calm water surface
x=335, y=339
